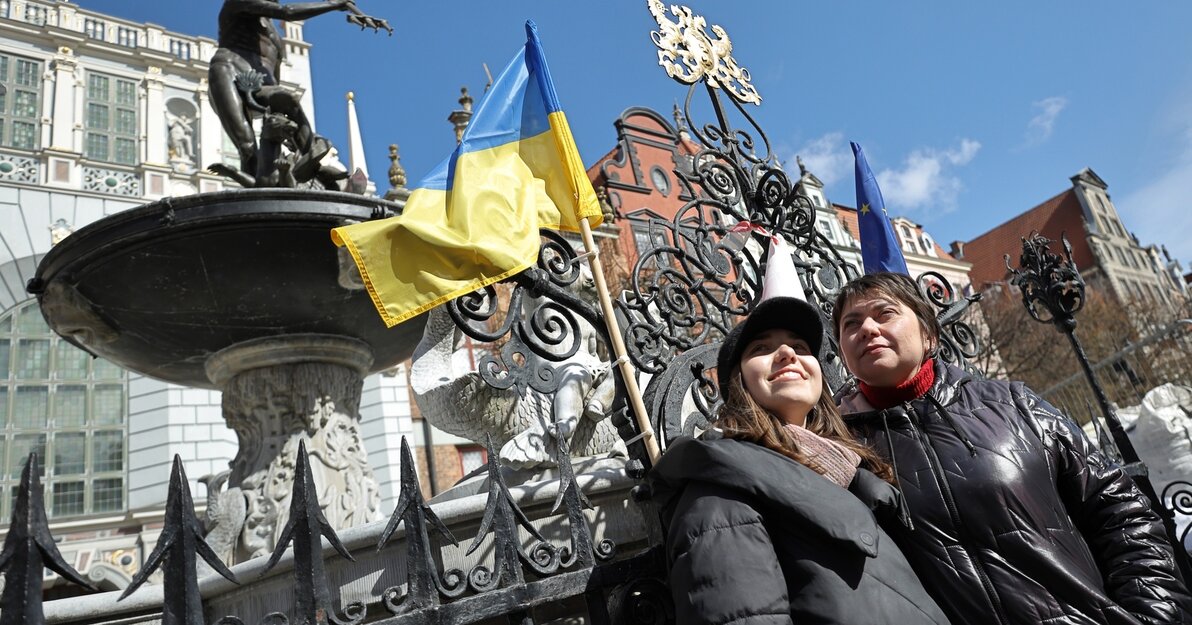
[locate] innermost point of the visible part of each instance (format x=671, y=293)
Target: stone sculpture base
x=276, y=392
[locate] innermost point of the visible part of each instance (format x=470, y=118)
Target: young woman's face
x=782, y=375
x=882, y=341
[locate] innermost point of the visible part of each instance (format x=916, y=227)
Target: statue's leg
x=310, y=148
x=229, y=107
x=291, y=107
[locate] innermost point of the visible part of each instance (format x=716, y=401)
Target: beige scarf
x=833, y=460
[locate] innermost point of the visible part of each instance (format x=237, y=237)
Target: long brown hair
x=742, y=418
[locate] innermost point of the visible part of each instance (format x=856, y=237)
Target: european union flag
x=879, y=248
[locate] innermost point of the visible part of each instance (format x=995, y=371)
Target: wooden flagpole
x=628, y=374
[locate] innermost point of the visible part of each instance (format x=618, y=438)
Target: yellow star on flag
x=864, y=209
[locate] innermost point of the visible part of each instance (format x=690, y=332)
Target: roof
x=1059, y=215
x=848, y=218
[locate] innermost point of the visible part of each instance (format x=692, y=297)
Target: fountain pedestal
x=278, y=391
x=242, y=291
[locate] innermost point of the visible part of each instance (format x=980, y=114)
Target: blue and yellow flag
x=879, y=249
x=475, y=219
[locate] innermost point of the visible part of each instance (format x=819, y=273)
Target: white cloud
x=926, y=181
x=1040, y=127
x=963, y=154
x=828, y=157
x=1160, y=211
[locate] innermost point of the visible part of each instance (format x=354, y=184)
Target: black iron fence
x=527, y=573
x=1163, y=357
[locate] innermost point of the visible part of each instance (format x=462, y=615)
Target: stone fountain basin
x=160, y=288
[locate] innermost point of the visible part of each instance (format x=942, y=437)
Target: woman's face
x=782, y=375
x=881, y=340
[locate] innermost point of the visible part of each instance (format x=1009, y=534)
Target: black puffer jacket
x=756, y=538
x=1018, y=518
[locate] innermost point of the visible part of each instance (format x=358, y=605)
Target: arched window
x=907, y=240
x=69, y=408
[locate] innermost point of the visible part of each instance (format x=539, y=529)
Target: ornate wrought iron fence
x=701, y=273
x=610, y=587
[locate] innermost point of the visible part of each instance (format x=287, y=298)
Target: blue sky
x=969, y=113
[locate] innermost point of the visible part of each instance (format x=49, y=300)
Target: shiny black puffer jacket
x=1018, y=519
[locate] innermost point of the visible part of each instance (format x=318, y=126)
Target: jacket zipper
x=950, y=503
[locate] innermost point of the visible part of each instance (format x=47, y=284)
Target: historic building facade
x=1108, y=255
x=99, y=115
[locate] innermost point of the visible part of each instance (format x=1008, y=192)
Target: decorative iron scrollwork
x=541, y=322
x=700, y=275
x=959, y=343
x=1179, y=493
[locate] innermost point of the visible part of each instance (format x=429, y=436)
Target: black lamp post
x=1053, y=292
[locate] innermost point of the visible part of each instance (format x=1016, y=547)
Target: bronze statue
x=244, y=81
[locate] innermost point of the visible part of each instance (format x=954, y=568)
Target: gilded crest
x=689, y=54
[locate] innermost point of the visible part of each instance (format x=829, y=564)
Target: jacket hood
x=855, y=409
x=801, y=497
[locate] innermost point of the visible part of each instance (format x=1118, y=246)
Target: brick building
x=1108, y=255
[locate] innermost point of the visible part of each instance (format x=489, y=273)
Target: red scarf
x=884, y=397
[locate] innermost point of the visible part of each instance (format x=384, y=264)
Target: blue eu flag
x=879, y=248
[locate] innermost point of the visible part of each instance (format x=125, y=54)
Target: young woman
x=773, y=522
x=1018, y=519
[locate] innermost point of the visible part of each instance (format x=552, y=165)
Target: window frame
x=69, y=417
x=22, y=78
x=119, y=95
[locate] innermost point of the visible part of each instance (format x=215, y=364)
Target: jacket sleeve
x=723, y=568
x=884, y=499
x=1126, y=536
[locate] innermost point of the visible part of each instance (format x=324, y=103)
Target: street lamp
x=1053, y=292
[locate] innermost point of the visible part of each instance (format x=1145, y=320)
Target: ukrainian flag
x=475, y=219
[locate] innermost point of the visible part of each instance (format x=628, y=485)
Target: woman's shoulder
x=689, y=456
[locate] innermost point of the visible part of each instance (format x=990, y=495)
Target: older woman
x=772, y=522
x=1018, y=519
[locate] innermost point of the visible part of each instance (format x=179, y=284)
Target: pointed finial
x=356, y=159
x=680, y=123
x=397, y=173
x=459, y=118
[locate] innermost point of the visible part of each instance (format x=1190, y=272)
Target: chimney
x=957, y=249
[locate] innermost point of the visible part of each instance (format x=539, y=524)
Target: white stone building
x=100, y=114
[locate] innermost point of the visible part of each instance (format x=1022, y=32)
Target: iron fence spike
x=180, y=541
x=305, y=532
x=28, y=549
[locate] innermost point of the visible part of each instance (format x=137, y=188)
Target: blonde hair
x=742, y=418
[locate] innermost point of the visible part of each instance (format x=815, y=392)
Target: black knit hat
x=789, y=313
